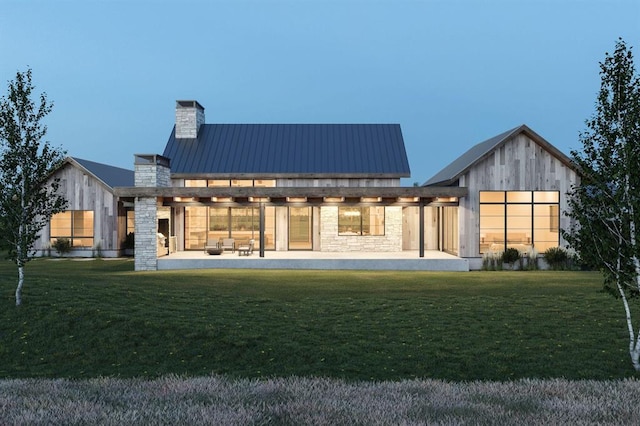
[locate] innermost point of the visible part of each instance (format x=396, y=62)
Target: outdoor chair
x=228, y=244
x=246, y=250
x=212, y=247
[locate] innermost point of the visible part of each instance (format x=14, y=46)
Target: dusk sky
x=452, y=73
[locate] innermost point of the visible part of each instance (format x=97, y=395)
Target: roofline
x=523, y=128
x=73, y=161
x=289, y=175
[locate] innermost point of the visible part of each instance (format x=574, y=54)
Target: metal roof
x=110, y=175
x=291, y=150
x=460, y=165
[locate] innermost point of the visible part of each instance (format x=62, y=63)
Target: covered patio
x=433, y=260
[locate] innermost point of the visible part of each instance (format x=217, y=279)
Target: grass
x=99, y=318
x=218, y=400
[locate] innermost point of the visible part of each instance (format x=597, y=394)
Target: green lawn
x=99, y=318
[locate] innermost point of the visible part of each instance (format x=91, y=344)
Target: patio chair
x=212, y=247
x=228, y=244
x=246, y=249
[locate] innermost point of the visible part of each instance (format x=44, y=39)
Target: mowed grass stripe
x=99, y=318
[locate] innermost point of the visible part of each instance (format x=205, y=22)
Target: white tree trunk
x=20, y=284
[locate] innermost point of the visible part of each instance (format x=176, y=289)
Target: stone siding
x=146, y=250
x=152, y=175
x=391, y=241
x=188, y=121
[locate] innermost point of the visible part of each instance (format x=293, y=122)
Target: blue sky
x=451, y=72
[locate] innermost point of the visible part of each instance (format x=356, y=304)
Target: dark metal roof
x=291, y=150
x=460, y=165
x=110, y=175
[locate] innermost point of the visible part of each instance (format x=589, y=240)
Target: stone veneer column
x=146, y=228
x=150, y=171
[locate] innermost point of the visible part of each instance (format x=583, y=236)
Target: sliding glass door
x=300, y=228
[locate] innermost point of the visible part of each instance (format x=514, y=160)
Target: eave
x=311, y=195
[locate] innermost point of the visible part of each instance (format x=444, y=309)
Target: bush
x=62, y=245
x=556, y=258
x=510, y=255
x=492, y=261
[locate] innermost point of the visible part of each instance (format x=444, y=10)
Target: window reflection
x=519, y=219
x=361, y=221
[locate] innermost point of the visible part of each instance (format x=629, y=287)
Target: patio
x=404, y=260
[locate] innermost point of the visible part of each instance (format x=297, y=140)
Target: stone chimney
x=189, y=117
x=152, y=170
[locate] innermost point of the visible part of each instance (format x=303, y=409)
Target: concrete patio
x=405, y=260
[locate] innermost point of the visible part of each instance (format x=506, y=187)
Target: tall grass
x=99, y=318
x=304, y=401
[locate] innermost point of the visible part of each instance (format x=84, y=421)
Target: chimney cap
x=189, y=104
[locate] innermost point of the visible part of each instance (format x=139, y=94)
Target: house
x=336, y=188
x=96, y=222
x=315, y=187
x=517, y=184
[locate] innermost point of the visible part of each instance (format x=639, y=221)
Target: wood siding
x=84, y=192
x=520, y=164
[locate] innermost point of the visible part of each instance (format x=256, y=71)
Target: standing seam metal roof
x=270, y=149
x=110, y=175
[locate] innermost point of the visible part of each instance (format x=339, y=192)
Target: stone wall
x=146, y=225
x=189, y=118
x=391, y=241
x=150, y=171
x=152, y=175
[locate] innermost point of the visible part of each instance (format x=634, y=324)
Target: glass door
x=300, y=228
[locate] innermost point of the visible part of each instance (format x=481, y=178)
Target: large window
x=519, y=219
x=360, y=220
x=230, y=182
x=76, y=225
x=241, y=223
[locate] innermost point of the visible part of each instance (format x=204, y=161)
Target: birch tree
x=28, y=196
x=606, y=206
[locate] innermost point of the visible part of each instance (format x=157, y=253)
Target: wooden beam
x=424, y=192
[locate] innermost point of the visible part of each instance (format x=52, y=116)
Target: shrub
x=510, y=255
x=492, y=261
x=556, y=257
x=62, y=245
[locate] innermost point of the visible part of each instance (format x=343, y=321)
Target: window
x=360, y=220
x=76, y=225
x=131, y=222
x=520, y=219
x=212, y=223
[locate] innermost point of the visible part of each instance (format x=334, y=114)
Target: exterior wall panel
x=84, y=192
x=525, y=166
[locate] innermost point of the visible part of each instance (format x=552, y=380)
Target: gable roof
x=319, y=150
x=109, y=175
x=459, y=166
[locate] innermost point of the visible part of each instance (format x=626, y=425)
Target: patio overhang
x=405, y=196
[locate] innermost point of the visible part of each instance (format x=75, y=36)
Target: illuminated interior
x=361, y=221
x=519, y=219
x=76, y=225
x=241, y=223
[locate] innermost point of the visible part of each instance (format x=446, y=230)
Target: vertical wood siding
x=84, y=192
x=518, y=165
